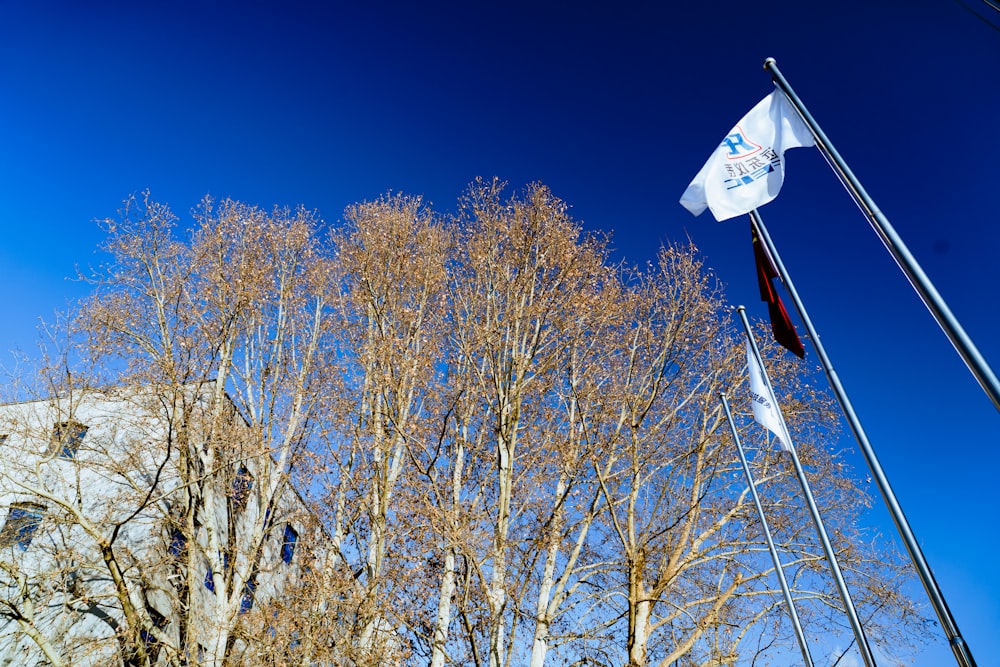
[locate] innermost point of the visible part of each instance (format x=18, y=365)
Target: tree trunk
x=444, y=609
x=638, y=633
x=498, y=581
x=540, y=646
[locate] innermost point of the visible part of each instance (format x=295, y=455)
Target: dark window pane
x=66, y=438
x=242, y=485
x=177, y=542
x=288, y=543
x=22, y=522
x=246, y=602
x=209, y=580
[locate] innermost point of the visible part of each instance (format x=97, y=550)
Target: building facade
x=141, y=528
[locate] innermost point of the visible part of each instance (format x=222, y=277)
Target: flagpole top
x=769, y=62
x=740, y=309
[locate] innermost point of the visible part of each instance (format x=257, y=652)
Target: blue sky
x=615, y=109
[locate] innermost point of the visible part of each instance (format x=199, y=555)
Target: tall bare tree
x=389, y=285
x=213, y=344
x=512, y=448
x=526, y=294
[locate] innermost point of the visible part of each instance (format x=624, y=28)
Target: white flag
x=748, y=167
x=765, y=408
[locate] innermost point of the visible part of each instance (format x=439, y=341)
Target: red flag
x=781, y=324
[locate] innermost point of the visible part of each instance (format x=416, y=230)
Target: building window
x=242, y=485
x=246, y=602
x=22, y=522
x=209, y=580
x=159, y=622
x=288, y=543
x=177, y=542
x=66, y=438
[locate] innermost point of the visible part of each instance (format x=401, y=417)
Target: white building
x=134, y=533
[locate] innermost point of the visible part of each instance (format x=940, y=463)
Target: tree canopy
x=509, y=448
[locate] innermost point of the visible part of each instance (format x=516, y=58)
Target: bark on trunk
x=444, y=610
x=638, y=634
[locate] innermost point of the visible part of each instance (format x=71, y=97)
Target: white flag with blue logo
x=748, y=167
x=765, y=407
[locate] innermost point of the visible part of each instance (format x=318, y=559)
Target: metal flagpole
x=894, y=244
x=799, y=635
x=838, y=577
x=958, y=645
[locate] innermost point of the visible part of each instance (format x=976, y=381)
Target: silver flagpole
x=799, y=635
x=838, y=577
x=958, y=645
x=894, y=244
